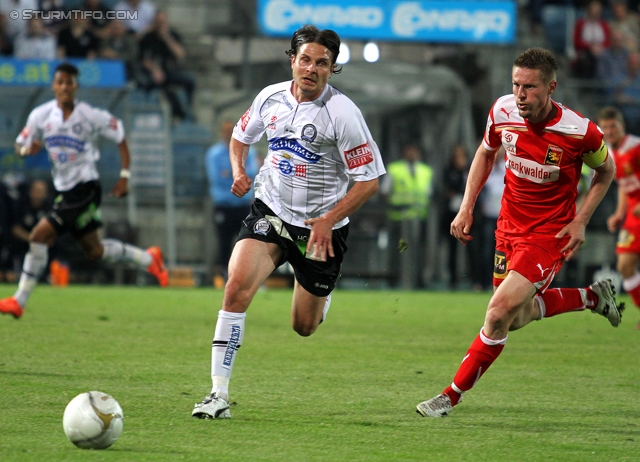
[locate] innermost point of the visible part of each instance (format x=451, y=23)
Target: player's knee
x=236, y=296
x=93, y=253
x=626, y=269
x=304, y=329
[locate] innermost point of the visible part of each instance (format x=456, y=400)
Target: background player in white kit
x=70, y=130
x=318, y=140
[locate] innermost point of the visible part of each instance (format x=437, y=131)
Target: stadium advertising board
x=96, y=73
x=418, y=21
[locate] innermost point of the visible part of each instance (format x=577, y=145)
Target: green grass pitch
x=564, y=389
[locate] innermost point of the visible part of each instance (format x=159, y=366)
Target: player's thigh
x=628, y=263
x=251, y=263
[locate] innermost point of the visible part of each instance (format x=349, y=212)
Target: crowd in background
x=143, y=39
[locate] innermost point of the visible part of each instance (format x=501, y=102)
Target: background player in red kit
x=625, y=150
x=538, y=228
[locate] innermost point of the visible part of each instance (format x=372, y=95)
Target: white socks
x=34, y=264
x=325, y=309
x=226, y=341
x=118, y=251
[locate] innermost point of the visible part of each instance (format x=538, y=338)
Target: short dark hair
x=67, y=68
x=610, y=113
x=539, y=59
x=311, y=34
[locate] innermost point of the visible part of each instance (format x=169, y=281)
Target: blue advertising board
x=95, y=73
x=418, y=21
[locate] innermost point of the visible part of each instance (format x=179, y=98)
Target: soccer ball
x=93, y=420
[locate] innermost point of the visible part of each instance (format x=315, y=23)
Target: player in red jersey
x=538, y=229
x=625, y=150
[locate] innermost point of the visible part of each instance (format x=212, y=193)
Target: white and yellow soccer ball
x=93, y=420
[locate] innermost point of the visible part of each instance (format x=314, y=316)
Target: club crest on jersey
x=262, y=226
x=309, y=133
x=509, y=141
x=554, y=155
x=76, y=128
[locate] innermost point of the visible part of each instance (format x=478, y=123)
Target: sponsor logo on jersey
x=320, y=286
x=62, y=157
x=286, y=101
x=360, y=155
x=232, y=346
x=533, y=171
x=309, y=133
x=262, y=226
x=77, y=128
x=290, y=129
x=509, y=141
x=244, y=120
x=289, y=168
x=293, y=147
x=554, y=154
x=61, y=141
x=499, y=265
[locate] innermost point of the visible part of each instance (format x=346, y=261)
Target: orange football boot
x=157, y=266
x=11, y=306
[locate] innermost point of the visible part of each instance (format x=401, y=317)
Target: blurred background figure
x=229, y=210
x=76, y=40
x=407, y=188
x=29, y=212
x=490, y=204
x=36, y=42
x=140, y=22
x=591, y=37
x=162, y=54
x=118, y=42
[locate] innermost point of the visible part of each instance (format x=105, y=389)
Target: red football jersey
x=543, y=163
x=627, y=158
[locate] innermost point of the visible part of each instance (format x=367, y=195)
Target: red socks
x=480, y=355
x=632, y=286
x=558, y=301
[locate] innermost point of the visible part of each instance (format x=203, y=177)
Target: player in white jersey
x=70, y=130
x=318, y=140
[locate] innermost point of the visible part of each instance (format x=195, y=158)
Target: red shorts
x=537, y=259
x=628, y=239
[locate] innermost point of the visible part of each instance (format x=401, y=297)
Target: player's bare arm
x=321, y=228
x=478, y=173
x=576, y=229
x=24, y=150
x=238, y=152
x=615, y=220
x=121, y=188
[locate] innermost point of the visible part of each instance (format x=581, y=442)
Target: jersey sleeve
x=595, y=150
x=32, y=130
x=491, y=138
x=359, y=151
x=250, y=127
x=108, y=125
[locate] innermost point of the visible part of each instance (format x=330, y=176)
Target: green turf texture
x=564, y=389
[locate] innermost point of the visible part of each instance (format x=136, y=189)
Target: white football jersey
x=72, y=144
x=314, y=149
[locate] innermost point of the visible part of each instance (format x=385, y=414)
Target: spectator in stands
x=407, y=189
x=591, y=37
x=627, y=93
x=490, y=203
x=52, y=20
x=229, y=210
x=626, y=22
x=98, y=20
x=14, y=27
x=77, y=41
x=613, y=63
x=31, y=211
x=118, y=42
x=162, y=54
x=36, y=43
x=146, y=12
